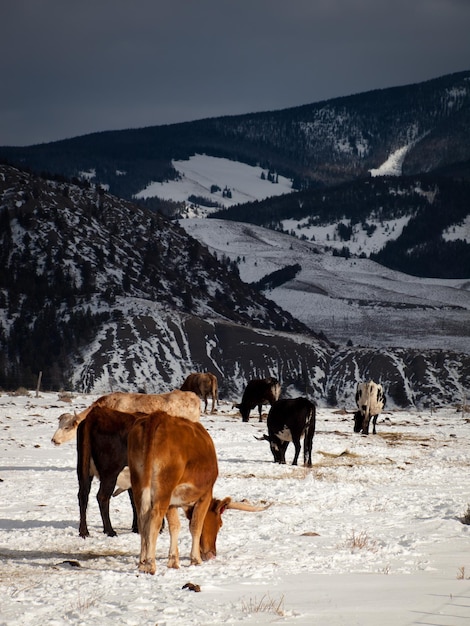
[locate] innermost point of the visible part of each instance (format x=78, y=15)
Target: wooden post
x=39, y=384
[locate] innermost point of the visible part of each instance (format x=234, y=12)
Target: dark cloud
x=70, y=68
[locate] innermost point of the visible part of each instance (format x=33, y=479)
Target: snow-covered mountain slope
x=348, y=299
x=99, y=294
x=217, y=181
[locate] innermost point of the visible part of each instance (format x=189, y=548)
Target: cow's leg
x=83, y=495
x=150, y=522
x=135, y=521
x=103, y=496
x=374, y=422
x=297, y=447
x=174, y=526
x=260, y=409
x=195, y=527
x=282, y=451
x=308, y=442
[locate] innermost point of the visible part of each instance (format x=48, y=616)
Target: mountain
x=88, y=278
x=99, y=293
x=321, y=144
x=396, y=157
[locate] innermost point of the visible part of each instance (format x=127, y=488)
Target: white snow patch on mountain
x=458, y=231
x=393, y=165
x=201, y=175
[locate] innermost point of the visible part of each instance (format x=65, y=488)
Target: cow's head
x=213, y=523
x=66, y=430
x=244, y=410
x=275, y=445
x=360, y=422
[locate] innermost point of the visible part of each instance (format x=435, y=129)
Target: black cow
x=291, y=420
x=259, y=391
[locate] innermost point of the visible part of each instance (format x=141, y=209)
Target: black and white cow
x=258, y=391
x=370, y=400
x=291, y=420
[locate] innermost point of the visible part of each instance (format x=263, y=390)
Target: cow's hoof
x=147, y=568
x=173, y=562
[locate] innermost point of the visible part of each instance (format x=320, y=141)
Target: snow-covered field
x=200, y=173
x=369, y=535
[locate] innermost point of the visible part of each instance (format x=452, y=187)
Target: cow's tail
x=141, y=471
x=83, y=452
x=309, y=434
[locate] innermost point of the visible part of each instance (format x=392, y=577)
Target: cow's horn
x=246, y=506
x=263, y=438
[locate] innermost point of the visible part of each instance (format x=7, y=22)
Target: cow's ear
x=222, y=505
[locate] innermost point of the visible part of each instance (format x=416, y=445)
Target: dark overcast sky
x=72, y=67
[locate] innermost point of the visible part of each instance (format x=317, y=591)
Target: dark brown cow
x=204, y=385
x=258, y=391
x=102, y=451
x=173, y=464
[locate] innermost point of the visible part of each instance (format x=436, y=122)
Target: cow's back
x=177, y=403
x=282, y=410
x=370, y=395
x=182, y=449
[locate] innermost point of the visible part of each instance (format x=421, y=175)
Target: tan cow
x=203, y=385
x=177, y=402
x=173, y=464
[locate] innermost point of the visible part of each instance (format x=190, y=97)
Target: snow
x=199, y=173
x=352, y=298
x=371, y=534
x=392, y=166
x=459, y=231
x=360, y=242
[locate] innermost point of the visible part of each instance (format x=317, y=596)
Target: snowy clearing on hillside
x=371, y=534
x=201, y=172
x=460, y=231
x=360, y=242
x=345, y=298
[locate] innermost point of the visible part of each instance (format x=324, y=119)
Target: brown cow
x=102, y=452
x=203, y=385
x=183, y=404
x=173, y=464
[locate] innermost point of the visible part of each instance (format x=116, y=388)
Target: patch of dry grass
x=360, y=541
x=265, y=604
